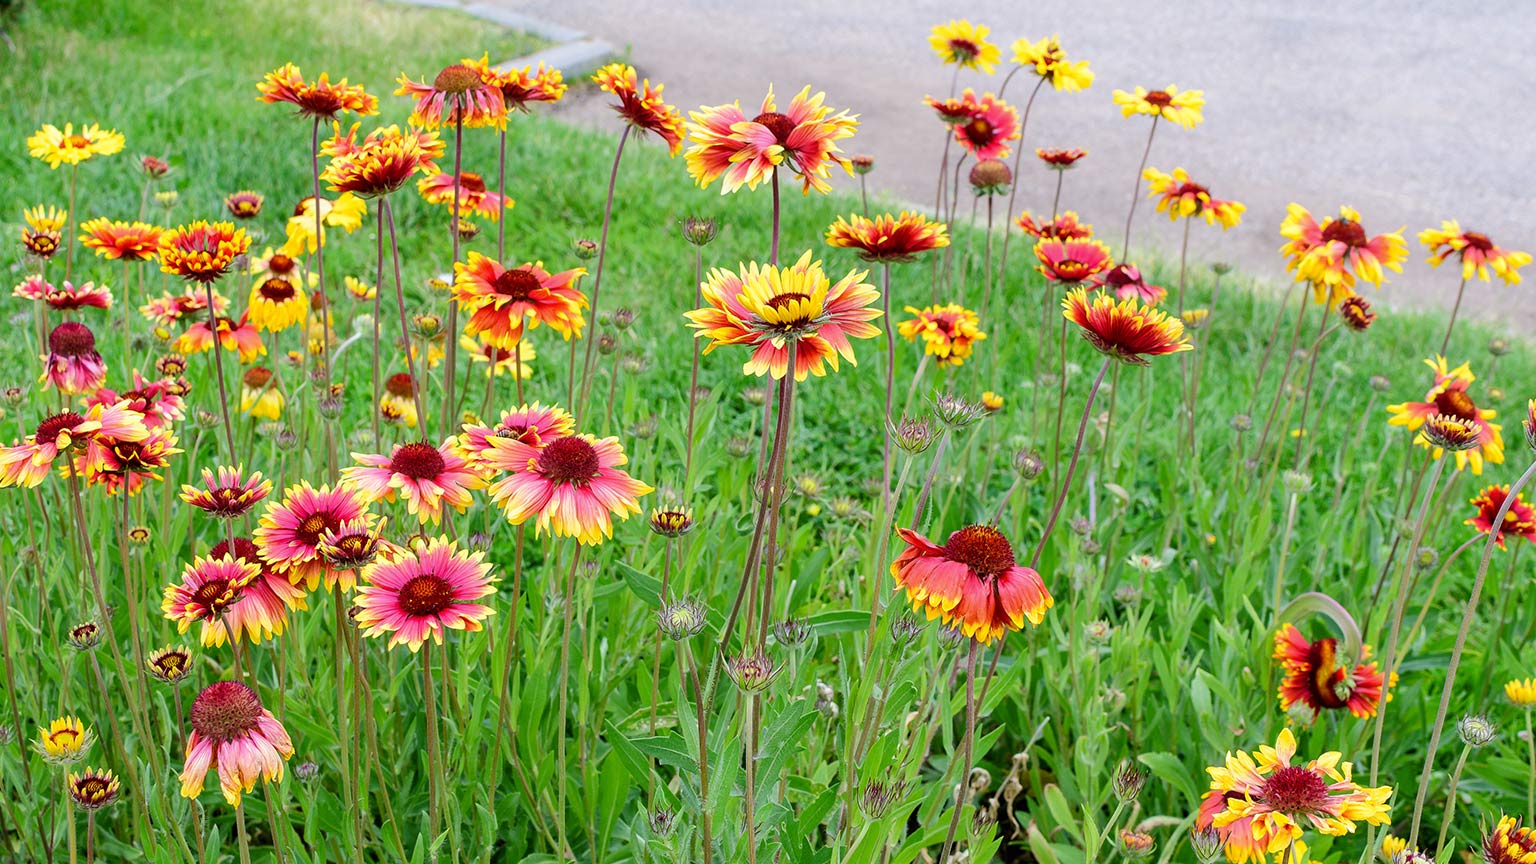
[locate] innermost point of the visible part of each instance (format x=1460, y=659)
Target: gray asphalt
x=1410, y=112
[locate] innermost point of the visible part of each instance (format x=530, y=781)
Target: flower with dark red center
x=28, y=463
x=171, y=664
x=355, y=544
x=972, y=582
x=71, y=297
x=1046, y=59
x=240, y=336
x=742, y=151
x=641, y=105
x=1182, y=198
x=64, y=741
x=1126, y=330
x=1520, y=521
x=533, y=425
x=571, y=485
x=1064, y=227
x=502, y=303
x=41, y=244
x=65, y=147
x=244, y=204
x=458, y=95
x=73, y=364
x=93, y=788
x=1509, y=843
x=672, y=521
x=1478, y=253
x=1449, y=398
x=321, y=100
x=1333, y=254
x=276, y=304
x=291, y=531
x=470, y=194
x=520, y=88
x=233, y=734
x=1317, y=677
x=1059, y=160
x=887, y=238
x=208, y=588
x=1071, y=261
x=428, y=588
x=963, y=44
x=1356, y=313
x=1180, y=107
x=989, y=126
x=949, y=333
x=428, y=477
x=1263, y=803
x=227, y=492
x=382, y=162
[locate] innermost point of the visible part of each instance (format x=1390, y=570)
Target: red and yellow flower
x=241, y=336
x=66, y=147
x=1520, y=521
x=73, y=364
x=1046, y=59
x=973, y=582
x=259, y=394
x=1064, y=227
x=949, y=333
x=888, y=238
x=209, y=587
x=1071, y=261
x=1333, y=254
x=1126, y=330
x=1478, y=254
x=642, y=106
x=1059, y=160
x=72, y=297
x=292, y=529
x=459, y=94
x=228, y=492
x=94, y=432
x=782, y=310
x=742, y=151
x=322, y=99
x=570, y=486
x=1180, y=107
x=960, y=43
x=532, y=425
x=472, y=195
x=1317, y=677
x=990, y=125
x=502, y=302
x=125, y=241
x=521, y=88
x=1448, y=396
x=202, y=252
x=1181, y=197
x=382, y=162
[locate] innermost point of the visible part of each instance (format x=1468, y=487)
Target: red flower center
x=1457, y=404
x=71, y=339
x=48, y=430
x=978, y=131
x=782, y=301
x=457, y=78
x=314, y=526
x=1478, y=241
x=471, y=182
x=225, y=711
x=212, y=594
x=245, y=550
x=569, y=460
x=1345, y=231
x=418, y=461
x=1323, y=659
x=399, y=385
x=279, y=263
x=518, y=284
x=277, y=290
x=425, y=595
x=257, y=376
x=982, y=548
x=1294, y=790
x=1159, y=98
x=963, y=49
x=778, y=124
x=79, y=142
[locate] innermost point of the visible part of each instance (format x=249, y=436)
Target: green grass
x=1184, y=676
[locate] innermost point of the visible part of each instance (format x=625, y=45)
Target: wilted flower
x=1135, y=845
x=663, y=822
x=878, y=796
x=914, y=434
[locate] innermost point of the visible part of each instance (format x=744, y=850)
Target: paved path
x=1409, y=111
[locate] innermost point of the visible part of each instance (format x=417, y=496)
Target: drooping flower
x=1125, y=281
x=73, y=364
x=382, y=162
x=1046, y=59
x=533, y=425
x=27, y=463
x=64, y=741
x=93, y=789
x=346, y=213
x=1448, y=396
x=121, y=241
x=321, y=100
x=227, y=492
x=425, y=590
x=641, y=106
x=427, y=477
x=1264, y=802
x=65, y=147
x=779, y=310
x=1126, y=330
x=167, y=309
x=232, y=733
x=570, y=486
x=259, y=394
x=1478, y=254
x=742, y=151
x=960, y=43
x=502, y=302
x=949, y=332
x=1356, y=312
x=473, y=197
x=990, y=125
x=459, y=94
x=71, y=297
x=1063, y=227
x=950, y=111
x=500, y=361
x=291, y=530
x=1182, y=198
x=521, y=88
x=1317, y=677
x=888, y=238
x=1059, y=160
x=241, y=336
x=1520, y=521
x=277, y=304
x=1333, y=254
x=1071, y=261
x=1181, y=107
x=202, y=252
x=972, y=583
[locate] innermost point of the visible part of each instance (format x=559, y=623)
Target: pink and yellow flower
x=228, y=492
x=1071, y=261
x=1477, y=252
x=261, y=610
x=155, y=401
x=1448, y=396
x=742, y=151
x=1064, y=227
x=209, y=587
x=233, y=734
x=241, y=336
x=502, y=302
x=972, y=583
x=422, y=592
x=992, y=123
x=570, y=486
x=73, y=364
x=291, y=531
x=532, y=425
x=1125, y=281
x=28, y=463
x=72, y=297
x=427, y=477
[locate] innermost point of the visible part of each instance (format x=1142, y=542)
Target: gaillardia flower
x=1448, y=397
x=277, y=304
x=1059, y=160
x=474, y=199
x=1046, y=59
x=1180, y=107
x=291, y=530
x=1521, y=692
x=233, y=734
x=521, y=88
x=973, y=582
x=1071, y=261
x=1125, y=281
x=888, y=238
x=502, y=302
x=1064, y=227
x=1334, y=253
x=1478, y=254
x=1182, y=198
x=73, y=364
x=949, y=332
x=1520, y=521
x=227, y=492
x=65, y=147
x=961, y=43
x=259, y=394
x=1356, y=312
x=571, y=486
x=202, y=251
x=241, y=336
x=382, y=162
x=1263, y=803
x=458, y=95
x=209, y=587
x=747, y=151
x=93, y=789
x=782, y=310
x=121, y=241
x=640, y=105
x=991, y=123
x=321, y=100
x=1126, y=329
x=1509, y=843
x=1317, y=677
x=64, y=741
x=346, y=213
x=533, y=425
x=95, y=432
x=428, y=477
x=425, y=590
x=245, y=204
x=70, y=297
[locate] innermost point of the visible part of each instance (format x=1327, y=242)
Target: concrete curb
x=574, y=53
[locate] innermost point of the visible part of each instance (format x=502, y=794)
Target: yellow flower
x=961, y=43
x=991, y=401
x=63, y=741
x=1180, y=197
x=1048, y=61
x=1521, y=692
x=1478, y=253
x=1182, y=107
x=259, y=396
x=57, y=148
x=346, y=213
x=45, y=217
x=359, y=289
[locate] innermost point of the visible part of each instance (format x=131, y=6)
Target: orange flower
x=1060, y=160
x=888, y=238
x=1316, y=678
x=1478, y=253
x=458, y=94
x=474, y=198
x=1071, y=261
x=522, y=87
x=241, y=336
x=747, y=151
x=202, y=251
x=382, y=162
x=1063, y=227
x=127, y=241
x=501, y=302
x=640, y=105
x=1125, y=329
x=321, y=99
